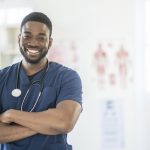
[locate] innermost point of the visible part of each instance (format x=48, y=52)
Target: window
x=13, y=16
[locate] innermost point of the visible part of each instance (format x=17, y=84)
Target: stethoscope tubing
x=24, y=99
x=37, y=82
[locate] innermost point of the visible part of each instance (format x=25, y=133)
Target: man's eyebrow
x=42, y=34
x=27, y=32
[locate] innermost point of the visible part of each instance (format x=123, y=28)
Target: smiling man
x=40, y=100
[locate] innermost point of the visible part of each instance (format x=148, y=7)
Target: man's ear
x=50, y=42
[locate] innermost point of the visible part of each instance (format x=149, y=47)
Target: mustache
x=32, y=47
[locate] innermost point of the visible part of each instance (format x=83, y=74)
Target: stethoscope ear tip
x=16, y=92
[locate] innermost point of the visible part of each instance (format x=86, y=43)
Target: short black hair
x=39, y=17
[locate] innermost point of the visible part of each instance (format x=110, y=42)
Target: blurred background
x=108, y=43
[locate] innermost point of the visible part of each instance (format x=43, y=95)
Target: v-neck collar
x=24, y=79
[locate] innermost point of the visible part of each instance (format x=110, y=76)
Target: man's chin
x=32, y=61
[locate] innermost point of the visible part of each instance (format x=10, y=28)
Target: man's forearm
x=10, y=133
x=49, y=122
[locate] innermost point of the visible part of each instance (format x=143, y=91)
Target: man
x=40, y=101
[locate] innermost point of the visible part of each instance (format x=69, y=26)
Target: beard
x=42, y=53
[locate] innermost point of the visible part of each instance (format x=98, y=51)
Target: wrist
x=12, y=113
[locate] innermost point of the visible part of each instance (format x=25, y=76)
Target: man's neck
x=33, y=68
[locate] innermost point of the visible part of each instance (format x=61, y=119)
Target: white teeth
x=33, y=51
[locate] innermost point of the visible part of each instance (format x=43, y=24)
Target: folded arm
x=50, y=122
x=13, y=132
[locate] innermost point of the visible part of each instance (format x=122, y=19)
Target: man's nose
x=33, y=42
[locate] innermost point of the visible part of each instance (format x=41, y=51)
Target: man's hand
x=6, y=116
x=9, y=131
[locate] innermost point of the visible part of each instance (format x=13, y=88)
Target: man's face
x=34, y=41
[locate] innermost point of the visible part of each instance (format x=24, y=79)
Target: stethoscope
x=17, y=92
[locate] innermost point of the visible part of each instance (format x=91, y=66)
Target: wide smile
x=32, y=51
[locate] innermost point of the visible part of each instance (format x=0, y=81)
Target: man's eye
x=41, y=38
x=26, y=36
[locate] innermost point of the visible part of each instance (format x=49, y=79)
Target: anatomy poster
x=64, y=52
x=113, y=65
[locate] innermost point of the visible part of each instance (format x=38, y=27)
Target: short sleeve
x=71, y=87
x=3, y=75
x=0, y=90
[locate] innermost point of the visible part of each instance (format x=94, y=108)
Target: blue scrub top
x=60, y=83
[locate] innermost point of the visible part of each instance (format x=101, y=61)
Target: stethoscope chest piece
x=16, y=92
